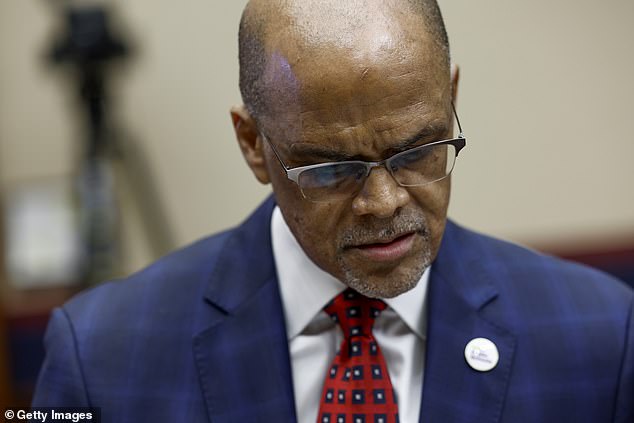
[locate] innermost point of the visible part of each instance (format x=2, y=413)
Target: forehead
x=379, y=76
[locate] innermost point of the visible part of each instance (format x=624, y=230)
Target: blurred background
x=116, y=144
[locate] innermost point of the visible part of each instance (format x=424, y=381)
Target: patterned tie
x=357, y=388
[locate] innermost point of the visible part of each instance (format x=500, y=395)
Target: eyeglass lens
x=419, y=166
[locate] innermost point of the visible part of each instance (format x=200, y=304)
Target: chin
x=389, y=285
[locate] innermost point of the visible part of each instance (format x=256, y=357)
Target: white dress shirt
x=314, y=338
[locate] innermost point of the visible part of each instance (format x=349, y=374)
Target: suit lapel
x=462, y=307
x=242, y=357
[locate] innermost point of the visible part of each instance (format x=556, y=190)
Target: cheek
x=434, y=201
x=314, y=225
x=437, y=199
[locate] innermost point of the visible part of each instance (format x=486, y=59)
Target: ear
x=455, y=77
x=250, y=142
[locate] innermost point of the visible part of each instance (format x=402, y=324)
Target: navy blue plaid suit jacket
x=199, y=337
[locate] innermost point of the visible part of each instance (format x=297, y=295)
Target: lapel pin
x=481, y=354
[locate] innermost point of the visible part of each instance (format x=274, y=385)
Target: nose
x=380, y=196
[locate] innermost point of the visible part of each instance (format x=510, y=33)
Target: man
x=348, y=115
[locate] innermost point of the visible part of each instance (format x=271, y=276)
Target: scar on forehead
x=365, y=72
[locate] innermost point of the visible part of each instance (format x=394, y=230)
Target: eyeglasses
x=415, y=167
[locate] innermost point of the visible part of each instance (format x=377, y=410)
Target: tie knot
x=355, y=313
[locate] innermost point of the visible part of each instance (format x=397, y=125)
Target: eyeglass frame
x=293, y=173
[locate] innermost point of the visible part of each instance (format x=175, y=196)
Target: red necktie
x=357, y=388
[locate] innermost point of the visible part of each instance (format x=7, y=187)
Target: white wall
x=545, y=100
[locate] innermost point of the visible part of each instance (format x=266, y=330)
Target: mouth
x=387, y=250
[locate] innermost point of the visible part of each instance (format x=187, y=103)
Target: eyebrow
x=316, y=151
x=425, y=133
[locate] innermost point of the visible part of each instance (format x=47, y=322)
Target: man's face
x=361, y=104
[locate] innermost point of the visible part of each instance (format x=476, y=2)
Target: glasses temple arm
x=275, y=152
x=460, y=135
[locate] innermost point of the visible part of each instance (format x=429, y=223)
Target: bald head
x=278, y=36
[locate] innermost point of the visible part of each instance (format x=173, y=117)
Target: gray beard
x=403, y=222
x=389, y=287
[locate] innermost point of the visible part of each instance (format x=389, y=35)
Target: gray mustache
x=371, y=232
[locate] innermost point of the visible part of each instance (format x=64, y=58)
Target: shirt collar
x=306, y=289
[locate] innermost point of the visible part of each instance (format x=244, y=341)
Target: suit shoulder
x=173, y=279
x=526, y=272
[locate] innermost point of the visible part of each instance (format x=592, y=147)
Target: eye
x=358, y=173
x=332, y=175
x=411, y=158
